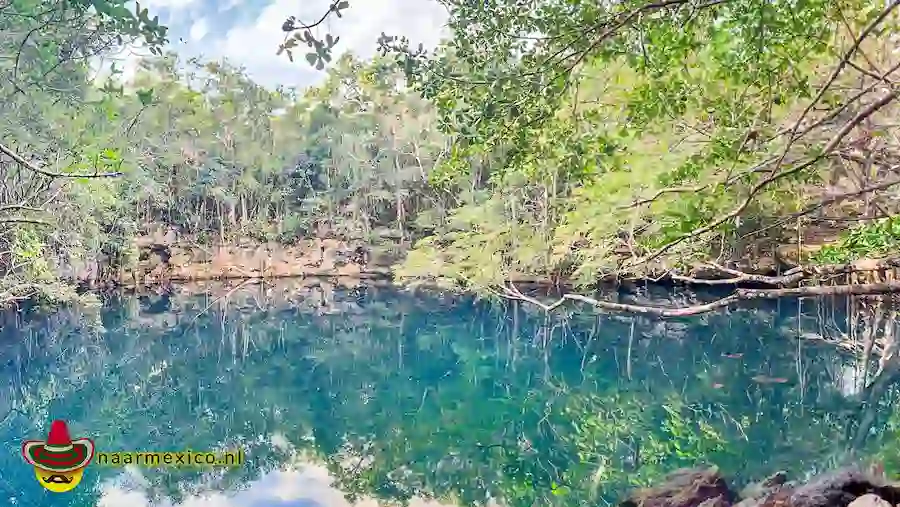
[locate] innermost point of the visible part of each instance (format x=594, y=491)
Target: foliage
x=635, y=133
x=204, y=150
x=880, y=238
x=563, y=141
x=519, y=151
x=46, y=51
x=296, y=34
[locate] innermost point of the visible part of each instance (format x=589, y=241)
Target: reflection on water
x=364, y=396
x=303, y=485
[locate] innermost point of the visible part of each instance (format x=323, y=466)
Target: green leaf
x=145, y=96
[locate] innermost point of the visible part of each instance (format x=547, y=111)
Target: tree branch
x=289, y=25
x=31, y=167
x=21, y=207
x=821, y=204
x=792, y=276
x=845, y=60
x=19, y=292
x=737, y=296
x=19, y=220
x=758, y=168
x=772, y=178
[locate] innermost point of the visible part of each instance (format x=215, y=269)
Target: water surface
x=369, y=396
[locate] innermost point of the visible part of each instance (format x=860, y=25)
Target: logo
x=58, y=461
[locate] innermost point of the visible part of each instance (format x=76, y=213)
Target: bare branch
x=18, y=220
x=775, y=176
x=737, y=296
x=659, y=193
x=848, y=55
x=20, y=207
x=792, y=276
x=31, y=167
x=825, y=202
x=758, y=168
x=20, y=292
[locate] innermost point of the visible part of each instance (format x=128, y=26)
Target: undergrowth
x=874, y=240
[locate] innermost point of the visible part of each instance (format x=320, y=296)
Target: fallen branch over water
x=739, y=295
x=784, y=286
x=19, y=292
x=792, y=276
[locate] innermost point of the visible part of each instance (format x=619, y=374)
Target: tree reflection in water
x=413, y=397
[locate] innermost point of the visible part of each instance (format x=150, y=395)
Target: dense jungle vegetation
x=553, y=139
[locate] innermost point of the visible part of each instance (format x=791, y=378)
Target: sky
x=248, y=32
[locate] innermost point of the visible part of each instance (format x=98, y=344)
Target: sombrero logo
x=58, y=461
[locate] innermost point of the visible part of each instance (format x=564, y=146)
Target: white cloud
x=254, y=45
x=305, y=485
x=199, y=29
x=126, y=61
x=248, y=32
x=175, y=5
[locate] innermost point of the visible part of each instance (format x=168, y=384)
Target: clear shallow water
x=353, y=398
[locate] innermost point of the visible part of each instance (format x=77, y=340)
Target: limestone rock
x=870, y=500
x=685, y=488
x=765, y=487
x=838, y=489
x=791, y=254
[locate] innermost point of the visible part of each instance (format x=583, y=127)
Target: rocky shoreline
x=165, y=257
x=848, y=487
x=163, y=260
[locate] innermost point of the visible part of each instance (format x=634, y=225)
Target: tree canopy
x=595, y=138
x=543, y=140
x=46, y=51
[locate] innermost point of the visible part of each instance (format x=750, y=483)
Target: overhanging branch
x=31, y=167
x=737, y=296
x=792, y=277
x=774, y=177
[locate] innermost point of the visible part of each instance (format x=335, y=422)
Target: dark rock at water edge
x=853, y=487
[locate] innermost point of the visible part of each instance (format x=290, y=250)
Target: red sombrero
x=58, y=453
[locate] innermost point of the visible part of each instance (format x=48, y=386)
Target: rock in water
x=754, y=493
x=849, y=487
x=841, y=488
x=685, y=488
x=836, y=489
x=870, y=500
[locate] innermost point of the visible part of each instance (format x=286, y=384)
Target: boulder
x=870, y=500
x=685, y=488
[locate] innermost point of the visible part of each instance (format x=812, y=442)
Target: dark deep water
x=346, y=398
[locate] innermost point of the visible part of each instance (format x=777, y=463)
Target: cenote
x=345, y=397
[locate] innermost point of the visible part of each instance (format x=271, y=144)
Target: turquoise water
x=352, y=397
